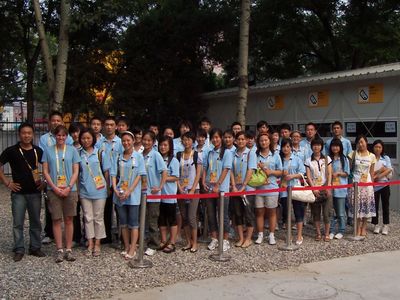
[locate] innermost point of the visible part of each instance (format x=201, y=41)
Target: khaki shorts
x=266, y=201
x=60, y=207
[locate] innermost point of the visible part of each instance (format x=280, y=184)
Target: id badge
x=36, y=176
x=185, y=182
x=99, y=182
x=239, y=178
x=318, y=181
x=336, y=181
x=124, y=185
x=213, y=177
x=283, y=183
x=61, y=181
x=364, y=177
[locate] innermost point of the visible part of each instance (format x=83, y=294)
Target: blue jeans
x=19, y=204
x=339, y=217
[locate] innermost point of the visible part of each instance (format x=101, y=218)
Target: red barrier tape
x=257, y=192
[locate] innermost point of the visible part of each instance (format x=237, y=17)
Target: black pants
x=108, y=213
x=77, y=224
x=48, y=228
x=383, y=195
x=243, y=214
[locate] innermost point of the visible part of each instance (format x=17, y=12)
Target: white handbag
x=306, y=196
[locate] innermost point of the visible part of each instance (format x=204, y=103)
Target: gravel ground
x=110, y=275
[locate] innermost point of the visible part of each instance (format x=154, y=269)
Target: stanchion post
x=289, y=245
x=355, y=236
x=221, y=256
x=140, y=262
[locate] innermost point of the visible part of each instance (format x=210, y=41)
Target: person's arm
x=329, y=179
x=74, y=177
x=371, y=171
x=13, y=186
x=220, y=180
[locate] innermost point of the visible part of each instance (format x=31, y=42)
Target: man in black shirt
x=25, y=187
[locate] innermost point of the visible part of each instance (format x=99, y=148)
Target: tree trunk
x=30, y=71
x=45, y=50
x=62, y=56
x=243, y=61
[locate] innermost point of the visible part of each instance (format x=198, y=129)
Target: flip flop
x=169, y=248
x=186, y=248
x=193, y=250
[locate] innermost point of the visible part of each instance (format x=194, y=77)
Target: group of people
x=103, y=169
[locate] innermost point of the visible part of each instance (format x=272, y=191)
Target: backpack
x=195, y=157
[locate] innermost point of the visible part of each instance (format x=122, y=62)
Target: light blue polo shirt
x=49, y=140
x=346, y=146
x=337, y=167
x=99, y=141
x=300, y=153
x=272, y=162
x=178, y=146
x=154, y=164
x=212, y=163
x=232, y=149
x=87, y=186
x=294, y=166
x=171, y=188
x=128, y=170
x=113, y=148
x=306, y=144
x=241, y=163
x=383, y=161
x=71, y=157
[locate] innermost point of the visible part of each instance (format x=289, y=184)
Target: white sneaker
x=150, y=252
x=385, y=230
x=260, y=238
x=213, y=244
x=226, y=246
x=46, y=240
x=331, y=236
x=271, y=239
x=377, y=229
x=338, y=236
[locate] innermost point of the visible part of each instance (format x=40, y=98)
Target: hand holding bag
x=306, y=196
x=258, y=178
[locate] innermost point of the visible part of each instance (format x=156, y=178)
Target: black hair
x=205, y=120
x=110, y=118
x=56, y=113
x=137, y=130
x=123, y=119
x=236, y=123
x=218, y=131
x=96, y=118
x=382, y=144
x=261, y=123
x=337, y=123
x=250, y=134
x=285, y=126
x=202, y=132
x=168, y=127
x=229, y=132
x=170, y=153
x=271, y=148
x=359, y=137
x=338, y=143
x=185, y=123
x=189, y=135
x=317, y=141
x=91, y=132
x=151, y=134
x=285, y=142
x=25, y=124
x=75, y=127
x=239, y=134
x=154, y=125
x=311, y=124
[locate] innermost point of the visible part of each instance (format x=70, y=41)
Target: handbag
x=306, y=196
x=258, y=178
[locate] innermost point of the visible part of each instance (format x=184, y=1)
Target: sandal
x=186, y=248
x=169, y=248
x=89, y=252
x=238, y=244
x=96, y=252
x=193, y=250
x=247, y=244
x=129, y=257
x=162, y=245
x=327, y=238
x=318, y=237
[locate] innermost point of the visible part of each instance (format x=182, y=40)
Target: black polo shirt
x=19, y=169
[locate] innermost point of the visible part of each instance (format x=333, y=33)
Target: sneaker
x=213, y=244
x=18, y=256
x=60, y=256
x=260, y=238
x=385, y=230
x=150, y=252
x=37, y=253
x=46, y=240
x=339, y=236
x=271, y=239
x=331, y=236
x=377, y=229
x=226, y=246
x=68, y=255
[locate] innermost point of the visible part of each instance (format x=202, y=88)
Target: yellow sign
x=275, y=102
x=370, y=94
x=318, y=99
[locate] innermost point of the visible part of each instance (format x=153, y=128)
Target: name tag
x=283, y=183
x=239, y=178
x=213, y=177
x=364, y=177
x=36, y=176
x=185, y=182
x=61, y=181
x=336, y=181
x=99, y=182
x=318, y=181
x=124, y=185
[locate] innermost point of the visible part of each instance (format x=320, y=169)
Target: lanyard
x=112, y=147
x=63, y=160
x=89, y=168
x=211, y=162
x=36, y=159
x=183, y=162
x=236, y=171
x=49, y=140
x=268, y=159
x=121, y=170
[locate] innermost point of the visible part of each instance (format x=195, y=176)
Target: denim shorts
x=128, y=216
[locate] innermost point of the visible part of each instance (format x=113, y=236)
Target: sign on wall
x=370, y=94
x=318, y=99
x=275, y=102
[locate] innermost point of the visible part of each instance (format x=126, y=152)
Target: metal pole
x=140, y=262
x=355, y=237
x=289, y=245
x=220, y=256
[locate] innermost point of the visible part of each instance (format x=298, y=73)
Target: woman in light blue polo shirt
x=244, y=163
x=61, y=168
x=217, y=163
x=156, y=172
x=340, y=174
x=167, y=216
x=126, y=180
x=94, y=184
x=270, y=162
x=293, y=169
